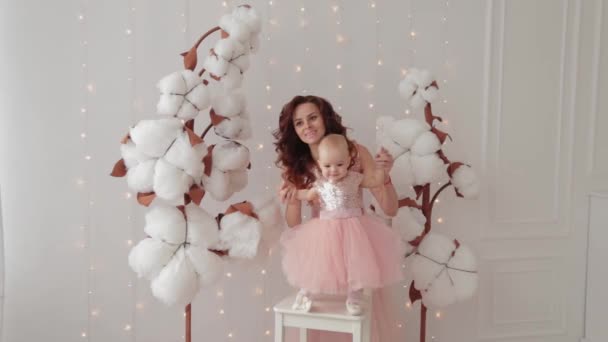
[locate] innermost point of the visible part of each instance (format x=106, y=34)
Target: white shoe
x=354, y=306
x=302, y=302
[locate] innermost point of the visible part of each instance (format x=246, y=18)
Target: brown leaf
x=196, y=194
x=145, y=198
x=414, y=293
x=208, y=160
x=120, y=169
x=190, y=59
x=243, y=207
x=215, y=118
x=453, y=167
x=193, y=137
x=408, y=202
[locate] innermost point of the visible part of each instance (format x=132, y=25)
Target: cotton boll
x=470, y=191
x=170, y=183
x=426, y=168
x=407, y=88
x=177, y=283
x=186, y=157
x=402, y=174
x=173, y=83
x=240, y=234
x=417, y=101
x=430, y=94
x=249, y=17
x=202, y=228
x=440, y=293
x=199, y=98
x=423, y=78
x=153, y=137
x=235, y=28
x=217, y=184
x=465, y=283
x=254, y=43
x=149, y=256
x=140, y=178
x=268, y=210
x=228, y=48
x=405, y=131
x=233, y=78
x=169, y=104
x=230, y=156
x=238, y=180
x=407, y=225
x=132, y=155
x=216, y=65
x=166, y=223
x=426, y=143
x=234, y=128
x=207, y=265
x=241, y=62
x=230, y=103
x=463, y=176
x=434, y=247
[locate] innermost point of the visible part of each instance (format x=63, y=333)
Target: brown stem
x=436, y=195
x=200, y=40
x=189, y=323
x=200, y=74
x=422, y=322
x=206, y=130
x=426, y=207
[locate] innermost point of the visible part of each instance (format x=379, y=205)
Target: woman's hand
x=288, y=193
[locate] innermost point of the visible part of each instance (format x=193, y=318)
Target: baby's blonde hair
x=341, y=142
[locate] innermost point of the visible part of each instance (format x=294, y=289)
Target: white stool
x=328, y=313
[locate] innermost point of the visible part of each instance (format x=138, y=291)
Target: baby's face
x=334, y=163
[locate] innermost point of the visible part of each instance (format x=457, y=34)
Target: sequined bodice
x=344, y=194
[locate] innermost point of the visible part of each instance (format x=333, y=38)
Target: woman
x=303, y=122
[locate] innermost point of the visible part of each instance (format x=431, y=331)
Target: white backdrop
x=522, y=86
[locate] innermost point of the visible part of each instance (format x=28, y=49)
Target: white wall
x=523, y=100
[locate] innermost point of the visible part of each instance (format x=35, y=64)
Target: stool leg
x=367, y=328
x=278, y=327
x=303, y=335
x=357, y=333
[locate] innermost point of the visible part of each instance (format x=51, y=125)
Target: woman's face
x=308, y=123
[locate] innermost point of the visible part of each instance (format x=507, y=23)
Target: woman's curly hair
x=294, y=155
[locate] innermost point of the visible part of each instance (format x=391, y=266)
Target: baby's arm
x=307, y=194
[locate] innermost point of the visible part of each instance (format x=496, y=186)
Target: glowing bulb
x=373, y=5
x=339, y=66
x=220, y=293
x=298, y=68
x=440, y=220
x=87, y=157
x=139, y=306
x=90, y=87
x=267, y=332
x=446, y=42
x=84, y=334
x=128, y=31
x=380, y=62
x=339, y=86
x=259, y=291
x=230, y=335
x=221, y=311
x=408, y=305
x=268, y=87
x=407, y=111
x=438, y=314
x=127, y=327
x=228, y=274
x=399, y=326
x=95, y=313
x=302, y=9
x=129, y=242
x=260, y=146
x=371, y=105
x=339, y=38
x=127, y=195
x=81, y=17
x=335, y=8
x=268, y=107
x=263, y=271
x=270, y=3
x=224, y=3
x=267, y=309
x=80, y=181
x=413, y=34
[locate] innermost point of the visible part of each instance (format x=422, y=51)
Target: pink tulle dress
x=343, y=249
